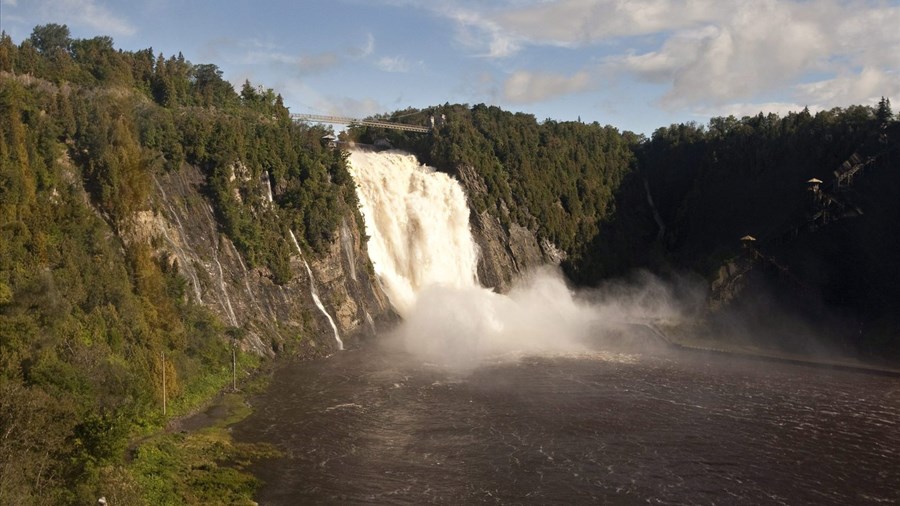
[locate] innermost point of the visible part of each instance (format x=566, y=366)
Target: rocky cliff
x=270, y=318
x=506, y=252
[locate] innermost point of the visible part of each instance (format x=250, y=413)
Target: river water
x=532, y=406
x=376, y=426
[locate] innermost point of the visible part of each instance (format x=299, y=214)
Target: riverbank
x=194, y=460
x=700, y=340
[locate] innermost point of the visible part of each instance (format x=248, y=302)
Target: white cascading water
x=268, y=185
x=417, y=221
x=424, y=254
x=661, y=227
x=426, y=258
x=315, y=293
x=347, y=245
x=224, y=291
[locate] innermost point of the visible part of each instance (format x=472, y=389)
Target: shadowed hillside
x=681, y=200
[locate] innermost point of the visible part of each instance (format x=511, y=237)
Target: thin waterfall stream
x=315, y=294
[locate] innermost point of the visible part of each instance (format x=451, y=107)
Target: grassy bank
x=191, y=457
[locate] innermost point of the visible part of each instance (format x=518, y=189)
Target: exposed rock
x=506, y=253
x=349, y=286
x=495, y=263
x=272, y=318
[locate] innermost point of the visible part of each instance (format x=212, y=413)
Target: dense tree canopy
x=588, y=189
x=87, y=314
x=557, y=178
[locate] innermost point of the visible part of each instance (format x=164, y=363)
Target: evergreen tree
x=884, y=114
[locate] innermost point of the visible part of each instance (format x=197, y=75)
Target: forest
x=587, y=188
x=91, y=317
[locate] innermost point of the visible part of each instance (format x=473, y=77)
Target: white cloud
x=89, y=13
x=704, y=53
x=393, y=64
x=527, y=87
x=315, y=62
x=767, y=46
x=575, y=22
x=303, y=64
x=864, y=87
x=369, y=48
x=482, y=85
x=475, y=30
x=763, y=45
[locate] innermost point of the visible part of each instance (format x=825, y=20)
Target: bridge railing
x=343, y=120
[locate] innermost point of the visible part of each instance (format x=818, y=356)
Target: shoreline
x=193, y=458
x=709, y=346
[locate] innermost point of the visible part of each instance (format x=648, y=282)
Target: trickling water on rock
x=268, y=182
x=232, y=318
x=315, y=294
x=347, y=246
x=185, y=264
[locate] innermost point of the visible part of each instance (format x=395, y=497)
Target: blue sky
x=636, y=65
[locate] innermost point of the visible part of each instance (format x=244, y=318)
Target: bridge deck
x=342, y=120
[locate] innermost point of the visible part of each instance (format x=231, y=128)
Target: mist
x=464, y=328
x=426, y=258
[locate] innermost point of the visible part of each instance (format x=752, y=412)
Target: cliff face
x=506, y=252
x=272, y=318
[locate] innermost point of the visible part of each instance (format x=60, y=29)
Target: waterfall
x=347, y=245
x=418, y=223
x=370, y=321
x=268, y=185
x=425, y=256
x=656, y=217
x=315, y=293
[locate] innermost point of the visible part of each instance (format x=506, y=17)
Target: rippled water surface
x=367, y=426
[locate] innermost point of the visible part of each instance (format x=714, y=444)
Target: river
x=545, y=396
x=377, y=426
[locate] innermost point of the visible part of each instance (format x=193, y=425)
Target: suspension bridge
x=342, y=120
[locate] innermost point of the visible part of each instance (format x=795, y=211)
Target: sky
x=636, y=65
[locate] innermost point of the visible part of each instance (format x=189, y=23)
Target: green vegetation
x=584, y=187
x=556, y=178
x=755, y=168
x=200, y=467
x=714, y=184
x=87, y=312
